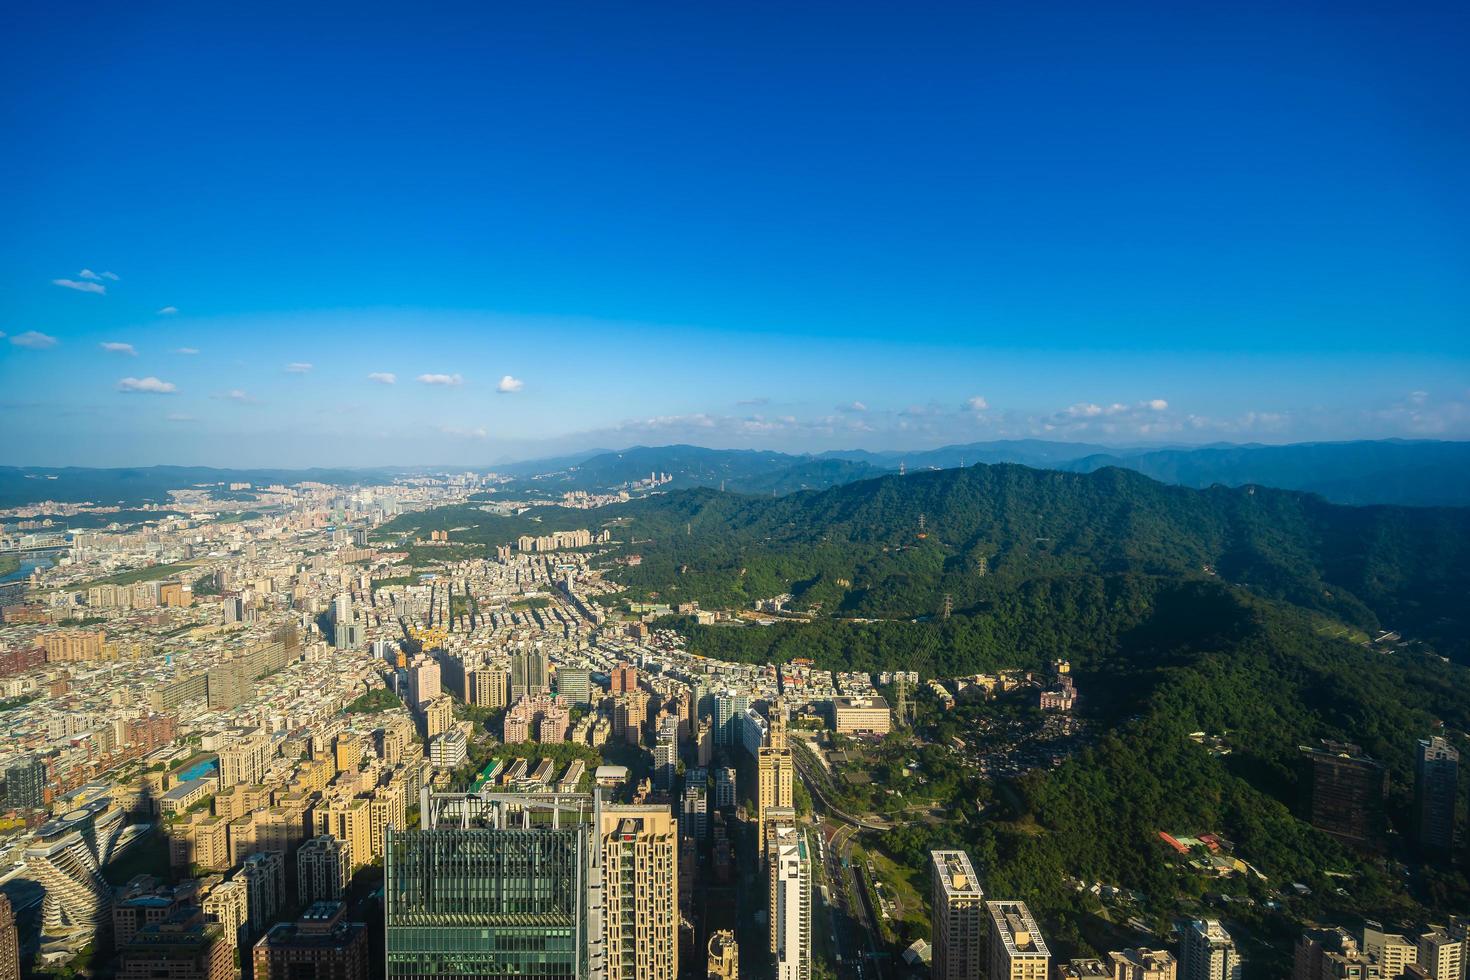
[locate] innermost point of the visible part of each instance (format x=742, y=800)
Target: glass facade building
x=501, y=887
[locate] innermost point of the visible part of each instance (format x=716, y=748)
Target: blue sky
x=778, y=226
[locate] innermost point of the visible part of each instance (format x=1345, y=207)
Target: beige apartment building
x=1017, y=949
x=957, y=917
x=640, y=847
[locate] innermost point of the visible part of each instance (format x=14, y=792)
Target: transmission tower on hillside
x=947, y=606
x=901, y=697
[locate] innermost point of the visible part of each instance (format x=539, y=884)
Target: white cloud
x=479, y=432
x=110, y=275
x=33, y=340
x=178, y=417
x=976, y=404
x=447, y=380
x=116, y=347
x=1158, y=404
x=298, y=367
x=852, y=407
x=186, y=350
x=384, y=377
x=507, y=385
x=88, y=274
x=237, y=395
x=753, y=402
x=80, y=286
x=168, y=311
x=148, y=386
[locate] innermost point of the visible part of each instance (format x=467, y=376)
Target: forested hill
x=859, y=550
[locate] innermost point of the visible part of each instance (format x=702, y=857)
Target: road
x=854, y=929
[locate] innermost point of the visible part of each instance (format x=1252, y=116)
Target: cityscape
x=577, y=492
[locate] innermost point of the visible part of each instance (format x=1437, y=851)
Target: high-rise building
x=1442, y=953
x=1345, y=792
x=423, y=681
x=228, y=903
x=1329, y=954
x=724, y=779
x=640, y=849
x=775, y=766
x=695, y=805
x=724, y=956
x=350, y=820
x=265, y=883
x=957, y=917
x=489, y=688
x=1143, y=964
x=1208, y=953
x=184, y=948
x=1436, y=787
x=245, y=758
x=321, y=945
x=790, y=871
x=25, y=784
x=624, y=678
x=10, y=942
x=666, y=754
x=65, y=858
x=1391, y=951
x=1017, y=949
x=574, y=685
x=528, y=674
x=508, y=885
x=323, y=869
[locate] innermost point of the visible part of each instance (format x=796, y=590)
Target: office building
x=1017, y=949
x=958, y=921
x=1345, y=792
x=791, y=907
x=574, y=685
x=321, y=945
x=640, y=875
x=775, y=768
x=323, y=869
x=1436, y=788
x=865, y=715
x=1143, y=964
x=1207, y=952
x=508, y=885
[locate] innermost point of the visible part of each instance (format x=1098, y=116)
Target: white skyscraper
x=791, y=906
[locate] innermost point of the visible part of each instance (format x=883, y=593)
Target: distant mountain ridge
x=1413, y=473
x=1423, y=473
